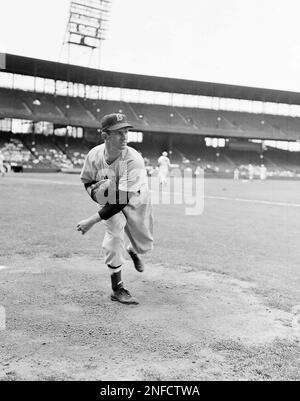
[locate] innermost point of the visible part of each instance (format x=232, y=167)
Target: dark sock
x=116, y=279
x=130, y=249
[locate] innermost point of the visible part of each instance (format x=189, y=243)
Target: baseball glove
x=99, y=191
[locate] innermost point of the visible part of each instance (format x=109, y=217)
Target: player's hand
x=85, y=225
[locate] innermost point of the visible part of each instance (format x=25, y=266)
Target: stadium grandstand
x=50, y=114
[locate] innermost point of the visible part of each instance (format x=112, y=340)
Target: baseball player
x=114, y=176
x=251, y=172
x=236, y=174
x=263, y=172
x=163, y=166
x=2, y=168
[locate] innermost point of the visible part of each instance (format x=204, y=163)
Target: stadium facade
x=45, y=103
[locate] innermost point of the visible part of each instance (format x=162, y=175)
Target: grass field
x=219, y=299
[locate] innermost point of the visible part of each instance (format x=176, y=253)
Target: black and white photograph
x=149, y=193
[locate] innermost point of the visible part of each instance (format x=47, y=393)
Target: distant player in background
x=163, y=168
x=236, y=174
x=263, y=172
x=148, y=166
x=251, y=172
x=2, y=168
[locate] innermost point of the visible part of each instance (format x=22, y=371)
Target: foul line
x=41, y=181
x=262, y=202
x=226, y=198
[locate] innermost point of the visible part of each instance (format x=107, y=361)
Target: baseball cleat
x=137, y=261
x=122, y=295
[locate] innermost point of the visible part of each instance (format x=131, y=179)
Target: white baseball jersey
x=164, y=162
x=128, y=173
x=163, y=171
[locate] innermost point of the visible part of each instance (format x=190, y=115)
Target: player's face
x=118, y=139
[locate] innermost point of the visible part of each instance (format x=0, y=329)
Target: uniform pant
x=137, y=223
x=163, y=174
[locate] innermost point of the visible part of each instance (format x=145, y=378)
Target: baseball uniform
x=164, y=164
x=127, y=173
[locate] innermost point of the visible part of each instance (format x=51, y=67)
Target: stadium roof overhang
x=88, y=76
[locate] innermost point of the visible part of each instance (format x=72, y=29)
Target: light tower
x=86, y=29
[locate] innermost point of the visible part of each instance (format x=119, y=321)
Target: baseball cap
x=114, y=121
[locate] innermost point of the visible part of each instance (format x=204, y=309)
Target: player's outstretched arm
x=85, y=225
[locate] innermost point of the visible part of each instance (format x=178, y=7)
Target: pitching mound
x=190, y=325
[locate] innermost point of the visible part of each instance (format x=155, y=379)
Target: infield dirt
x=208, y=310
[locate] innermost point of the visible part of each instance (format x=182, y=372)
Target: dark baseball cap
x=115, y=121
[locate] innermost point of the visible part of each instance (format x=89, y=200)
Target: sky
x=240, y=42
